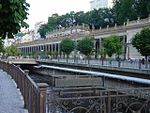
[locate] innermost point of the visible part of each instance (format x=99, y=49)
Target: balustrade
x=34, y=94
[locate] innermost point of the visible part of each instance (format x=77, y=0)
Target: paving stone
x=10, y=98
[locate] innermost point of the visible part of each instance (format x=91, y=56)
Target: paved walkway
x=10, y=98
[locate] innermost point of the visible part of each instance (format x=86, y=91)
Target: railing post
x=42, y=88
x=103, y=81
x=25, y=92
x=18, y=81
x=8, y=69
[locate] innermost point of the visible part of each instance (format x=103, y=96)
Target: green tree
x=12, y=50
x=121, y=10
x=113, y=45
x=86, y=46
x=101, y=18
x=80, y=18
x=43, y=30
x=102, y=53
x=108, y=46
x=12, y=16
x=141, y=41
x=137, y=8
x=67, y=20
x=148, y=8
x=98, y=18
x=53, y=22
x=142, y=8
x=67, y=46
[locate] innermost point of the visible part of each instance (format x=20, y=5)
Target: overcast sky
x=40, y=9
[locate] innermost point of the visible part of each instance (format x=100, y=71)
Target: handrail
x=34, y=94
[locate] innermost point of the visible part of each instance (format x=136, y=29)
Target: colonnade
x=55, y=47
x=40, y=48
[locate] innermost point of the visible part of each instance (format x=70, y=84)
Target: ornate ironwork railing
x=97, y=100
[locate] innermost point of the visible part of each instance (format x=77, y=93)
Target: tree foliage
x=80, y=18
x=137, y=8
x=97, y=18
x=112, y=45
x=101, y=18
x=53, y=22
x=148, y=8
x=67, y=46
x=142, y=8
x=102, y=53
x=120, y=13
x=12, y=15
x=43, y=30
x=122, y=9
x=141, y=41
x=12, y=50
x=86, y=46
x=20, y=34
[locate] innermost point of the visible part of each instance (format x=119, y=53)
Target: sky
x=40, y=10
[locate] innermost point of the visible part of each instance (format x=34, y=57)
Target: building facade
x=125, y=32
x=96, y=4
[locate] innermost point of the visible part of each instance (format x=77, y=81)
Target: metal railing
x=123, y=64
x=34, y=94
x=128, y=100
